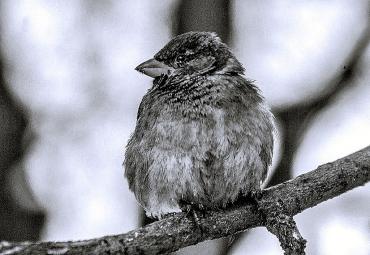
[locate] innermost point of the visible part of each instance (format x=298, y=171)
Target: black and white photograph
x=186, y=127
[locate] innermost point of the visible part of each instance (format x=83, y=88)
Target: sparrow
x=204, y=134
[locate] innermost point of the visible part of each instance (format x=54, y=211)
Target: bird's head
x=192, y=53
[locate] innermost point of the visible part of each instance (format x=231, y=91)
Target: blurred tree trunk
x=16, y=223
x=206, y=15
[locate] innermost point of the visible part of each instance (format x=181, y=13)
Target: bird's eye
x=180, y=58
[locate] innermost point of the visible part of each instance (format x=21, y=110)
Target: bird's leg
x=193, y=210
x=256, y=194
x=253, y=197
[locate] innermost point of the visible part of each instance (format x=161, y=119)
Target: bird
x=204, y=134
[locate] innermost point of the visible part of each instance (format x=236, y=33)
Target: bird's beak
x=153, y=68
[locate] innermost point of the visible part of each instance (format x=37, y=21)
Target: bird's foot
x=168, y=215
x=256, y=195
x=252, y=197
x=195, y=211
x=256, y=199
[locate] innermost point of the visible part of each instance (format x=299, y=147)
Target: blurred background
x=69, y=96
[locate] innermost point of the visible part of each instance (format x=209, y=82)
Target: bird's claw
x=194, y=211
x=256, y=195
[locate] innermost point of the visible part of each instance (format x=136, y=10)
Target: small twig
x=284, y=228
x=178, y=231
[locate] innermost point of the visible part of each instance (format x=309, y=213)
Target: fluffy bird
x=204, y=135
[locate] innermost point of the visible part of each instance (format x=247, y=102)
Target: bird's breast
x=197, y=132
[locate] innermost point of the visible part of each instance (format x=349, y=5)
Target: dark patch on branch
x=178, y=231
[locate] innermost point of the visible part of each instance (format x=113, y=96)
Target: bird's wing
x=245, y=94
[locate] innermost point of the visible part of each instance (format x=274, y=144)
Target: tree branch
x=178, y=230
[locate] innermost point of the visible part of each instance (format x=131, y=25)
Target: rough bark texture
x=178, y=230
x=285, y=229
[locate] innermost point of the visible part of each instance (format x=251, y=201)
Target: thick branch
x=177, y=231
